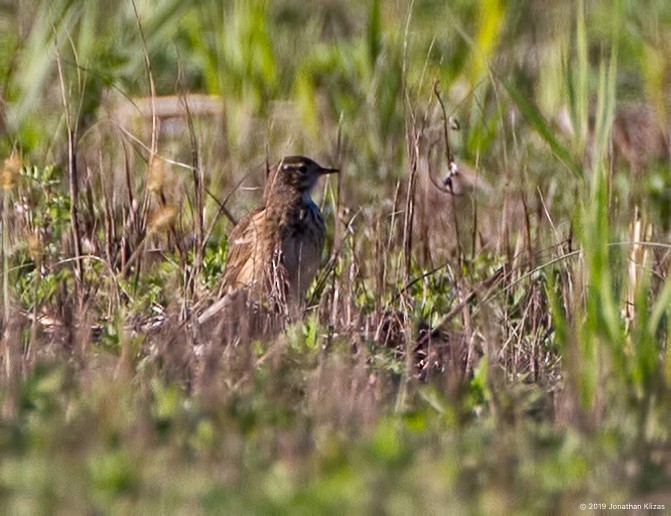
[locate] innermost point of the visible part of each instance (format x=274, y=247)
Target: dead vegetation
x=489, y=327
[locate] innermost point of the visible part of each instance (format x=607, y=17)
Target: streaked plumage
x=275, y=251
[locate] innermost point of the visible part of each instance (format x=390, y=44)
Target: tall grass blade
x=538, y=122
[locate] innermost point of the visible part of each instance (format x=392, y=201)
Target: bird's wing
x=241, y=266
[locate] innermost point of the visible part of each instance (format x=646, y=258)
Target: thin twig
x=73, y=180
x=144, y=211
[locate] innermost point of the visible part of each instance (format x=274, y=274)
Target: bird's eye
x=302, y=169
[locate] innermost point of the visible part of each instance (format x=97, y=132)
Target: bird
x=275, y=251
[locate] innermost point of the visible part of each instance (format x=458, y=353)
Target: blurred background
x=345, y=82
x=134, y=133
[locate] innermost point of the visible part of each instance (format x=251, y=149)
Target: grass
x=492, y=343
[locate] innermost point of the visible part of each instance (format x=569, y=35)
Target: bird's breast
x=302, y=248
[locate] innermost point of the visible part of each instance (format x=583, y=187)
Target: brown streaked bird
x=275, y=251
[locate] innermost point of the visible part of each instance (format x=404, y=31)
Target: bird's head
x=299, y=173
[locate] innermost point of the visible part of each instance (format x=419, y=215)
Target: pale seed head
x=34, y=246
x=161, y=218
x=155, y=174
x=10, y=171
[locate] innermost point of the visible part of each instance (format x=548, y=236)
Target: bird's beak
x=327, y=170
